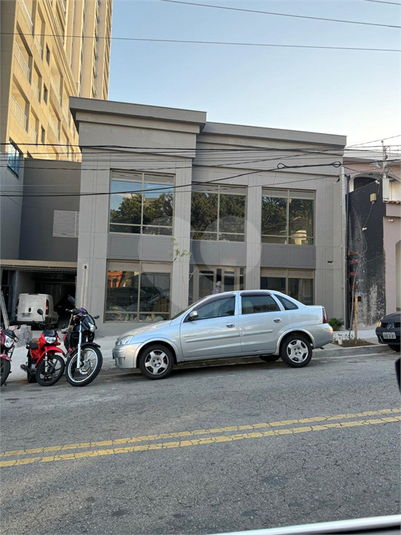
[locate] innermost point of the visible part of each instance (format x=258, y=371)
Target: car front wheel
x=296, y=351
x=156, y=361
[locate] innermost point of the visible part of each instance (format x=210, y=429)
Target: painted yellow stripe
x=198, y=441
x=180, y=434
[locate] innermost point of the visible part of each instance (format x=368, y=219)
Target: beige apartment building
x=50, y=50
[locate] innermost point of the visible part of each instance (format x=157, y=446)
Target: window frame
x=220, y=190
x=166, y=182
x=288, y=195
x=14, y=156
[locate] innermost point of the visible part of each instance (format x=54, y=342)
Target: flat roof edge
x=109, y=107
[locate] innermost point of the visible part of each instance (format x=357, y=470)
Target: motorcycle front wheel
x=50, y=370
x=5, y=370
x=91, y=364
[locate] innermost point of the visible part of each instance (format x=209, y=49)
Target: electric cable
x=276, y=14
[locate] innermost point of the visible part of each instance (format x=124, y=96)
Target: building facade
x=173, y=208
x=374, y=235
x=50, y=50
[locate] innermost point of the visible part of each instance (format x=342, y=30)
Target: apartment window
x=47, y=55
x=137, y=291
x=295, y=283
x=42, y=135
x=218, y=213
x=288, y=217
x=14, y=157
x=45, y=94
x=141, y=203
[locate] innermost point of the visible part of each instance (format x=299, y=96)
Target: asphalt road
x=208, y=450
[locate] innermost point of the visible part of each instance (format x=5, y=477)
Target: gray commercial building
x=173, y=208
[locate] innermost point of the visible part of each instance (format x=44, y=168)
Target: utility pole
x=385, y=180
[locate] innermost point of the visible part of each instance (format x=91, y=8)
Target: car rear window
x=287, y=304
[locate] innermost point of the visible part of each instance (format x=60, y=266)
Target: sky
x=346, y=92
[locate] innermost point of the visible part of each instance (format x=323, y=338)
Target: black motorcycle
x=84, y=356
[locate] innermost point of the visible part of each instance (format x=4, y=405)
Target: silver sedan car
x=264, y=323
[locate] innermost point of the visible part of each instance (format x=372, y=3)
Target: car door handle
x=230, y=325
x=277, y=320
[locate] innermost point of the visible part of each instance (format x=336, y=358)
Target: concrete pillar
x=253, y=238
x=181, y=242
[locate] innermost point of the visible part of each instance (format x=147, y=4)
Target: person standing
x=218, y=289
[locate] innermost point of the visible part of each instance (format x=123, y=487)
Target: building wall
x=10, y=209
x=49, y=221
x=44, y=60
x=181, y=143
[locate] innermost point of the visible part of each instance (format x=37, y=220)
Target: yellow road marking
x=147, y=438
x=199, y=441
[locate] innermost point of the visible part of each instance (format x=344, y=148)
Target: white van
x=27, y=306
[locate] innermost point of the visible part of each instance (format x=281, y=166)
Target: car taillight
x=16, y=308
x=47, y=307
x=325, y=318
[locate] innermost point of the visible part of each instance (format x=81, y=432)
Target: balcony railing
x=22, y=61
x=26, y=14
x=36, y=89
x=19, y=113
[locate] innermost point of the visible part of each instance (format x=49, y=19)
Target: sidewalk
x=107, y=344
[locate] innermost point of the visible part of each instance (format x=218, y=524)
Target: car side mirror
x=193, y=315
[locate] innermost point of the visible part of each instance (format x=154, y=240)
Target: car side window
x=287, y=304
x=217, y=308
x=257, y=304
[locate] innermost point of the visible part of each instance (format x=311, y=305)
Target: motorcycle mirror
x=71, y=300
x=40, y=311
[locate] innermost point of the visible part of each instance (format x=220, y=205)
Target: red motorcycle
x=45, y=363
x=7, y=344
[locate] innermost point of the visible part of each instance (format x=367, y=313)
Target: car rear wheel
x=296, y=351
x=269, y=358
x=394, y=347
x=156, y=361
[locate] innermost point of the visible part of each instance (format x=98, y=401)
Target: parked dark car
x=388, y=330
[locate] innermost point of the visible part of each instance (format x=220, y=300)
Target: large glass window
x=295, y=283
x=207, y=280
x=14, y=157
x=288, y=217
x=137, y=291
x=141, y=203
x=218, y=213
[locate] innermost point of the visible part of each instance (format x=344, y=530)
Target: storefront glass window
x=137, y=292
x=295, y=283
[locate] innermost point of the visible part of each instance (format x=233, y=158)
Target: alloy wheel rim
x=156, y=362
x=297, y=351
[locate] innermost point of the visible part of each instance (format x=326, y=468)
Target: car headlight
x=124, y=341
x=379, y=323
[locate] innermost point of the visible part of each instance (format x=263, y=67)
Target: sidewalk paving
x=107, y=344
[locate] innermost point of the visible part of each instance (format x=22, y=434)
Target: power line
x=384, y=2
x=234, y=43
x=175, y=188
x=276, y=14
